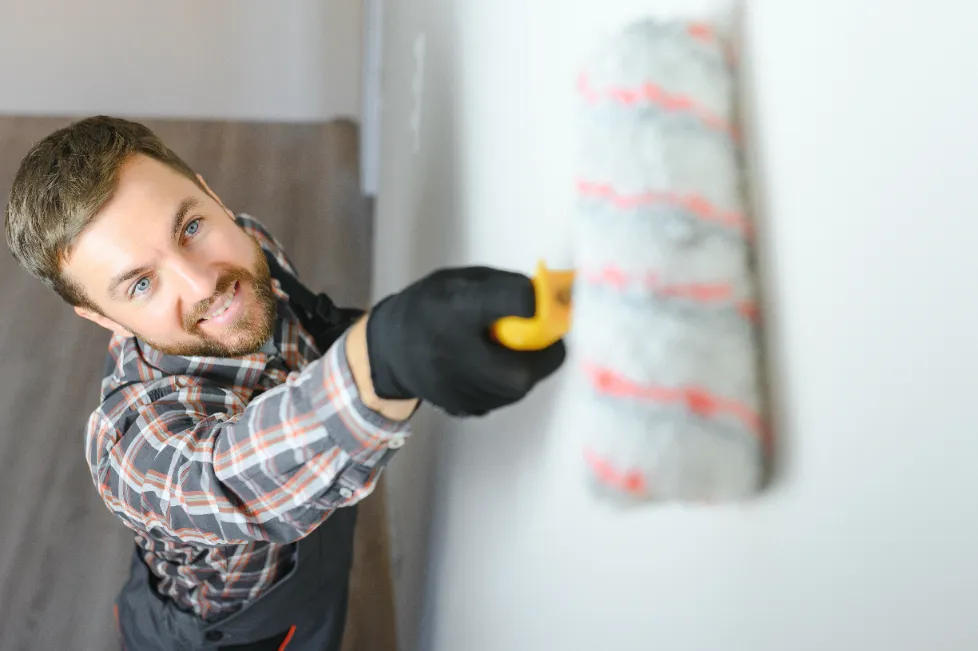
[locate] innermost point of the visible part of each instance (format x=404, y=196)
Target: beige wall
x=866, y=150
x=229, y=59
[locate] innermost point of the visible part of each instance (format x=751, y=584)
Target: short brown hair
x=63, y=183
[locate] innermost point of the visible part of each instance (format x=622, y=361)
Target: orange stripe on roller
x=749, y=311
x=700, y=31
x=612, y=275
x=702, y=292
x=655, y=94
x=705, y=33
x=707, y=293
x=608, y=275
x=699, y=401
x=630, y=481
x=694, y=204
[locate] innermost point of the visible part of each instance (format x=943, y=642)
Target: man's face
x=165, y=261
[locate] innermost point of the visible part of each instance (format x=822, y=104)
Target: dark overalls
x=303, y=611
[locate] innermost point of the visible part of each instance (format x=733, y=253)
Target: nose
x=196, y=281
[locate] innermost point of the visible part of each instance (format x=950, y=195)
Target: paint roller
x=665, y=358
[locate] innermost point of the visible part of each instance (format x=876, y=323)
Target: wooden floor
x=62, y=555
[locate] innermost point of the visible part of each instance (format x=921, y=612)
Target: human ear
x=103, y=321
x=214, y=196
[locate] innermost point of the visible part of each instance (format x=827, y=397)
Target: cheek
x=158, y=317
x=234, y=248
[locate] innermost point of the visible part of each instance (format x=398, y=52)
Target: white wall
x=866, y=145
x=297, y=60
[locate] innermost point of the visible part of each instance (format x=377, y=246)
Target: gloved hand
x=431, y=341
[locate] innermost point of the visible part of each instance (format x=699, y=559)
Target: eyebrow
x=185, y=206
x=176, y=228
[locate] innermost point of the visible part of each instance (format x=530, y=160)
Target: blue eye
x=141, y=286
x=192, y=227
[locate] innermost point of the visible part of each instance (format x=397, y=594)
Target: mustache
x=224, y=283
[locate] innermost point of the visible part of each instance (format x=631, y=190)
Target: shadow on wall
x=765, y=262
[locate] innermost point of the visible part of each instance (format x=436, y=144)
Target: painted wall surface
x=864, y=148
x=225, y=59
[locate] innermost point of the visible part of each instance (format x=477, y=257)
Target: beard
x=246, y=334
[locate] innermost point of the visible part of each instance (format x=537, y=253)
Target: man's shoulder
x=128, y=385
x=257, y=229
x=136, y=377
x=127, y=378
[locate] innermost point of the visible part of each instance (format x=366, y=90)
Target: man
x=242, y=417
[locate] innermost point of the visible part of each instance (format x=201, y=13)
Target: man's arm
x=356, y=347
x=273, y=470
x=167, y=457
x=356, y=353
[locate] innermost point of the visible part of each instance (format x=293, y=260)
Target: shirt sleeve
x=195, y=464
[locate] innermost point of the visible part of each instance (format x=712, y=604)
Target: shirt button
x=213, y=636
x=396, y=442
x=346, y=493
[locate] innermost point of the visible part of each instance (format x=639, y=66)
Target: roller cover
x=666, y=358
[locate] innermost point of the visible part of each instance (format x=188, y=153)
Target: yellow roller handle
x=552, y=320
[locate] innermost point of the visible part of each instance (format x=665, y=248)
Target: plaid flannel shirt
x=220, y=464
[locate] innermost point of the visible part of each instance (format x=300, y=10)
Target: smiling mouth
x=222, y=304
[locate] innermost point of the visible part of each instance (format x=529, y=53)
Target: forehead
x=144, y=191
x=133, y=226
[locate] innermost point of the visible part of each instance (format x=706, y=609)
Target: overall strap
x=317, y=312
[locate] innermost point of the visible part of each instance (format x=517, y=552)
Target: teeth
x=222, y=307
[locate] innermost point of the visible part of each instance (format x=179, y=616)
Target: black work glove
x=432, y=341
